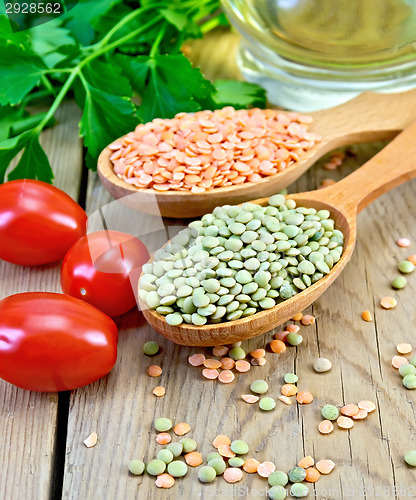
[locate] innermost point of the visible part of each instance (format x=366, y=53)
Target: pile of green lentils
x=240, y=260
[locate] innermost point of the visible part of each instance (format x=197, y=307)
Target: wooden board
x=122, y=408
x=28, y=419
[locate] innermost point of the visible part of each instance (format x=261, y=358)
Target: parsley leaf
x=51, y=41
x=106, y=116
x=238, y=94
x=167, y=84
x=83, y=18
x=8, y=115
x=20, y=71
x=33, y=164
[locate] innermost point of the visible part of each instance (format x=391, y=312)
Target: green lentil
x=243, y=277
x=278, y=478
x=296, y=475
x=409, y=381
x=175, y=448
x=239, y=447
x=151, y=348
x=218, y=464
x=174, y=319
x=277, y=200
x=286, y=291
x=259, y=386
x=165, y=455
x=277, y=493
x=164, y=310
x=184, y=291
x=177, y=468
x=306, y=267
x=136, y=467
x=291, y=378
x=299, y=490
x=213, y=455
x=407, y=370
x=163, y=424
x=294, y=338
x=330, y=412
x=156, y=467
x=199, y=320
x=412, y=360
x=410, y=458
x=168, y=301
x=237, y=353
x=236, y=462
x=188, y=444
x=399, y=282
x=405, y=266
x=267, y=404
x=207, y=474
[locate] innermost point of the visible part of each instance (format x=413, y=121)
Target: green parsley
x=121, y=60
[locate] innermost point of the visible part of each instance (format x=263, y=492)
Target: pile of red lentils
x=209, y=149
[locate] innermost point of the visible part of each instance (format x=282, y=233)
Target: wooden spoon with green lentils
x=240, y=260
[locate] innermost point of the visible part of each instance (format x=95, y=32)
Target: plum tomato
x=38, y=222
x=53, y=342
x=102, y=268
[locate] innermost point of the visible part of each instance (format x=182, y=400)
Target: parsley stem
x=210, y=25
x=118, y=42
x=59, y=98
x=76, y=70
x=156, y=43
x=123, y=22
x=48, y=85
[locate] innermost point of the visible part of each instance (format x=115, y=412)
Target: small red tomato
x=102, y=268
x=52, y=342
x=38, y=222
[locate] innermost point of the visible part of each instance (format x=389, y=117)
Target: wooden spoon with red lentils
x=187, y=165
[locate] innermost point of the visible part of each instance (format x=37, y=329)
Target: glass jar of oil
x=313, y=54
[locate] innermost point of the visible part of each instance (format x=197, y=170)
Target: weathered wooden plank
x=121, y=408
x=29, y=419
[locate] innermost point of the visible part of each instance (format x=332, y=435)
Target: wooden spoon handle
x=392, y=166
x=368, y=117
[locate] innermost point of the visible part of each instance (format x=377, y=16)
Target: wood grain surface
x=121, y=407
x=28, y=419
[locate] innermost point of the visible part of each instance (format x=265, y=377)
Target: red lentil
x=196, y=359
x=226, y=376
x=159, y=391
x=154, y=371
x=366, y=316
x=181, y=429
x=221, y=439
x=306, y=462
x=242, y=365
x=233, y=474
x=265, y=469
x=165, y=481
x=163, y=438
x=312, y=475
x=250, y=398
x=251, y=465
x=277, y=346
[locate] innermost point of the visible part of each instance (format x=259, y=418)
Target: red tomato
x=102, y=268
x=38, y=222
x=52, y=342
